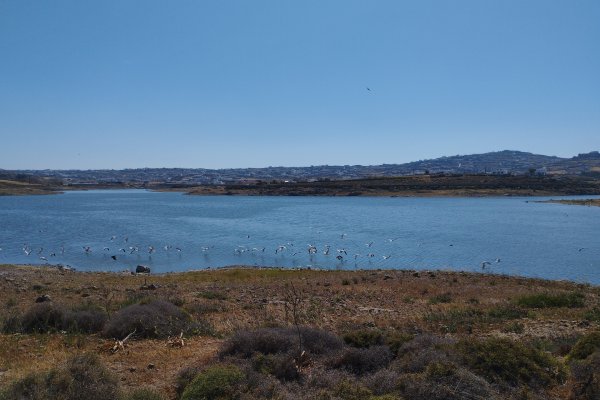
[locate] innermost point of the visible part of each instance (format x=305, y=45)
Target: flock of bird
x=344, y=251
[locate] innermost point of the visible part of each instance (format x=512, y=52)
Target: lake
x=176, y=232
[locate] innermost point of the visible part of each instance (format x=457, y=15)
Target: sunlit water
x=551, y=241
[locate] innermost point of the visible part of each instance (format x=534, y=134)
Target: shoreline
x=300, y=270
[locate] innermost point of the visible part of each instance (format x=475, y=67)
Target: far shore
x=585, y=202
x=403, y=186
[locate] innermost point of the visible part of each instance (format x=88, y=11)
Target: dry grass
x=393, y=301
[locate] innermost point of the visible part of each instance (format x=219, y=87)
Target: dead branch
x=176, y=341
x=120, y=344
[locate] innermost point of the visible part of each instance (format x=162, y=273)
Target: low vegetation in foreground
x=283, y=334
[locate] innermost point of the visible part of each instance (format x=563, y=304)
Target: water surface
x=516, y=235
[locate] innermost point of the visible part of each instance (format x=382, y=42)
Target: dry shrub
x=84, y=320
x=504, y=361
x=446, y=382
x=42, y=317
x=152, y=319
x=49, y=317
x=280, y=340
x=586, y=378
x=282, y=366
x=384, y=381
x=361, y=361
x=83, y=377
x=415, y=356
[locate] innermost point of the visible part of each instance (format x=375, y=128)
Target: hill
x=500, y=162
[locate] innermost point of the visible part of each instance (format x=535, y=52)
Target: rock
x=151, y=286
x=43, y=298
x=142, y=269
x=386, y=277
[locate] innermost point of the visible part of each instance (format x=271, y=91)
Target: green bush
x=547, y=300
x=506, y=313
x=212, y=295
x=219, y=382
x=364, y=338
x=593, y=314
x=441, y=298
x=395, y=340
x=502, y=360
x=143, y=394
x=585, y=346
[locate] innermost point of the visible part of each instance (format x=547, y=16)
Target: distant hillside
x=500, y=162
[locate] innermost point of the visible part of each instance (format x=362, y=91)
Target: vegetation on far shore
x=585, y=202
x=243, y=333
x=414, y=186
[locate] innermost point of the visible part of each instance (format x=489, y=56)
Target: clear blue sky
x=115, y=84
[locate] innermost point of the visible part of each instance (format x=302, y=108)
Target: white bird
x=485, y=264
x=369, y=244
x=106, y=249
x=498, y=260
x=280, y=248
x=386, y=257
x=43, y=259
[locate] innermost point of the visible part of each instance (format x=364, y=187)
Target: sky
x=224, y=83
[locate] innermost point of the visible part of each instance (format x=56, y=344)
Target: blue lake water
x=551, y=241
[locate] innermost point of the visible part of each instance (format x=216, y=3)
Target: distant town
x=495, y=163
